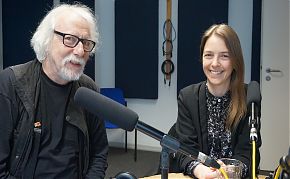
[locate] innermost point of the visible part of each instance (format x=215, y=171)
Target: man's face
x=63, y=63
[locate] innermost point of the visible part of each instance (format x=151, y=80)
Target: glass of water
x=232, y=167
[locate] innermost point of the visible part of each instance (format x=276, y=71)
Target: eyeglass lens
x=72, y=41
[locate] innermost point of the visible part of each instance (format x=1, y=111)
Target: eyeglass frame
x=77, y=42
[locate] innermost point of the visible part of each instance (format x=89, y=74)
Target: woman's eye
x=225, y=56
x=208, y=55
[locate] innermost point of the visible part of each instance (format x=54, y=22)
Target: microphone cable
x=253, y=159
x=223, y=173
x=278, y=172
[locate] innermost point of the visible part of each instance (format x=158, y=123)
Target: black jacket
x=19, y=88
x=191, y=127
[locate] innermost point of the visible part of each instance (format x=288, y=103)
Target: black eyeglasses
x=72, y=41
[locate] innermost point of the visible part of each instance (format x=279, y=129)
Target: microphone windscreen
x=106, y=108
x=254, y=93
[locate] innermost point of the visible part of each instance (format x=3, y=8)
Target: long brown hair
x=237, y=108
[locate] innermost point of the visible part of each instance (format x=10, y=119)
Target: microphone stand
x=169, y=145
x=253, y=139
x=164, y=164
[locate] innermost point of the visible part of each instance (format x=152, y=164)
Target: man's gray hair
x=44, y=33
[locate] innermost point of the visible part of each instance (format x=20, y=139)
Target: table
x=181, y=176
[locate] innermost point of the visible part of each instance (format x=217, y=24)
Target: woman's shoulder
x=192, y=93
x=193, y=88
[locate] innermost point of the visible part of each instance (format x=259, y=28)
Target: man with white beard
x=43, y=133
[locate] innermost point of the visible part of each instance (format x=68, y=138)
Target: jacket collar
x=27, y=83
x=203, y=116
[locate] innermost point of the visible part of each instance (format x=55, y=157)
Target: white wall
x=160, y=113
x=105, y=56
x=240, y=18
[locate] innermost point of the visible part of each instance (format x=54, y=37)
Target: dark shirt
x=219, y=138
x=58, y=152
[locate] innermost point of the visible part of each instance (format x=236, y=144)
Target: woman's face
x=217, y=65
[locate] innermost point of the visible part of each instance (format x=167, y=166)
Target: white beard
x=68, y=74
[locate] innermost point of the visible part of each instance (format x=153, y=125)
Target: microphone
x=253, y=102
x=285, y=162
x=106, y=108
x=254, y=94
x=254, y=98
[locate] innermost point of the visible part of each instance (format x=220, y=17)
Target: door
x=274, y=82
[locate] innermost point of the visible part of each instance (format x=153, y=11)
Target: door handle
x=269, y=70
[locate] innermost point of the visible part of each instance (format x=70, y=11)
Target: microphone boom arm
x=174, y=145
